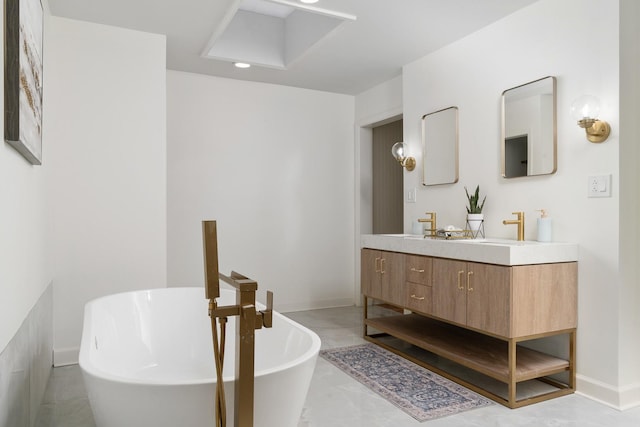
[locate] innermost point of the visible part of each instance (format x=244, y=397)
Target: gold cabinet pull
x=416, y=270
x=377, y=260
x=416, y=297
x=382, y=260
x=460, y=273
x=469, y=287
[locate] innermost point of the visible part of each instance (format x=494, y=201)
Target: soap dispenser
x=544, y=226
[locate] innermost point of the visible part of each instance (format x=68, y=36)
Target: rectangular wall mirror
x=529, y=135
x=440, y=147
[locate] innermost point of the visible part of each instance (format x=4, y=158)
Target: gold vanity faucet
x=432, y=223
x=519, y=222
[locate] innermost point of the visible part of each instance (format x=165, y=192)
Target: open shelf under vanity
x=477, y=361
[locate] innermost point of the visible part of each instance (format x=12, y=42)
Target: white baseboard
x=620, y=398
x=65, y=356
x=630, y=396
x=314, y=305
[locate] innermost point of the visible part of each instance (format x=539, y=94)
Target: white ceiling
x=353, y=58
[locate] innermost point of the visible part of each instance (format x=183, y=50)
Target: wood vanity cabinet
x=478, y=315
x=382, y=276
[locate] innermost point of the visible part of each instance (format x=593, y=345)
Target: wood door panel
x=392, y=277
x=545, y=297
x=449, y=290
x=370, y=273
x=489, y=298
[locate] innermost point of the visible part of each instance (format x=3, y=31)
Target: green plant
x=473, y=207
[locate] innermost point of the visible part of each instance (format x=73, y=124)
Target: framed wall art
x=23, y=34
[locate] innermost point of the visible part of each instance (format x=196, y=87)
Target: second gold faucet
x=519, y=221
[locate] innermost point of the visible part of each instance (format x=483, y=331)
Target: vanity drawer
x=419, y=298
x=418, y=269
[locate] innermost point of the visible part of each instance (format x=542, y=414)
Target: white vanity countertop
x=490, y=251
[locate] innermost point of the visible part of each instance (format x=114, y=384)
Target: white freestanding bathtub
x=147, y=360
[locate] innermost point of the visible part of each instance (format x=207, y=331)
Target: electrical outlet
x=599, y=186
x=411, y=195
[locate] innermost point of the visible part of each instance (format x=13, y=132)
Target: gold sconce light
x=399, y=152
x=586, y=110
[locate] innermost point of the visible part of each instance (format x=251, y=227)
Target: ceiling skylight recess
x=271, y=33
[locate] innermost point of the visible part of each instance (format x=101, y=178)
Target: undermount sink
x=487, y=250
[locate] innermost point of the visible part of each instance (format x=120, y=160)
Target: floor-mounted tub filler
x=147, y=360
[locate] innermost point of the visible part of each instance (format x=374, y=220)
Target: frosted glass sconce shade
x=586, y=110
x=399, y=152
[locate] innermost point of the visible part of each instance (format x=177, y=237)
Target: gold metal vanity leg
x=572, y=359
x=512, y=373
x=365, y=312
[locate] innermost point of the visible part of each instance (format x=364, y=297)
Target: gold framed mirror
x=529, y=129
x=440, y=147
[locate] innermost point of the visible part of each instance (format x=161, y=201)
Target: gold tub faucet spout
x=519, y=221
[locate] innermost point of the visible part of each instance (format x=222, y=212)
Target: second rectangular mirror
x=529, y=129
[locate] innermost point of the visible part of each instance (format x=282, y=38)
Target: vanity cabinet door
x=370, y=283
x=489, y=298
x=392, y=278
x=473, y=294
x=450, y=290
x=382, y=275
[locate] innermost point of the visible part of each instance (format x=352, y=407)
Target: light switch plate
x=411, y=195
x=599, y=186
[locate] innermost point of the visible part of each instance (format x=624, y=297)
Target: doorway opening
x=387, y=176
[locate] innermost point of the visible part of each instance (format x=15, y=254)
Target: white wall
x=106, y=159
x=379, y=103
x=274, y=166
x=629, y=296
x=24, y=270
x=471, y=74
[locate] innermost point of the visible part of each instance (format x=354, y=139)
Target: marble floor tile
x=65, y=402
x=336, y=400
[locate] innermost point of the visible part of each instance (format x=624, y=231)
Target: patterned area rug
x=419, y=392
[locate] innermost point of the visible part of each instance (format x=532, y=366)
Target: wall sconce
x=398, y=152
x=585, y=110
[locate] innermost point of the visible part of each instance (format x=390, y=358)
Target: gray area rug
x=419, y=392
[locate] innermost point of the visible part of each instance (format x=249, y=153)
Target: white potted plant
x=475, y=217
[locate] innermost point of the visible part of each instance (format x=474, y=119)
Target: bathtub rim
x=87, y=367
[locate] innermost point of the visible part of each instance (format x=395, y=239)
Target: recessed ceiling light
x=309, y=1
x=241, y=65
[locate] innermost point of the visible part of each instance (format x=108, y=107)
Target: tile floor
x=336, y=400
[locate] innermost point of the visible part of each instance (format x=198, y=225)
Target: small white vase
x=475, y=221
